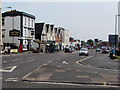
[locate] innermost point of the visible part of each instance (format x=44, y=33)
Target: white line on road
x=12, y=80
x=31, y=60
x=54, y=83
x=49, y=61
x=10, y=70
x=83, y=59
x=5, y=61
x=16, y=59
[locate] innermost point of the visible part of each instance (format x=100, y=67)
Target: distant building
x=105, y=44
x=18, y=29
x=113, y=39
x=41, y=31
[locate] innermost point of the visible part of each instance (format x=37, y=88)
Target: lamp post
x=116, y=26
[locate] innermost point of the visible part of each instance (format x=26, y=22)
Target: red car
x=105, y=50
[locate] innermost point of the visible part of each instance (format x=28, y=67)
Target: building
x=41, y=31
x=0, y=27
x=65, y=37
x=105, y=44
x=18, y=29
x=47, y=33
x=113, y=40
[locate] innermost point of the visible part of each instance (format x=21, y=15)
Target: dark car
x=68, y=50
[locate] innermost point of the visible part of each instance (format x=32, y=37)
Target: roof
x=39, y=28
x=47, y=26
x=16, y=13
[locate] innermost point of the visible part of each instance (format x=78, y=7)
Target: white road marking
x=10, y=70
x=45, y=64
x=12, y=80
x=83, y=59
x=5, y=61
x=31, y=60
x=49, y=61
x=64, y=62
x=16, y=59
x=54, y=83
x=27, y=75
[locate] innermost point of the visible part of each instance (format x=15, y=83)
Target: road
x=59, y=70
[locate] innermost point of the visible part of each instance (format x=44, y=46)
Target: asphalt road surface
x=59, y=70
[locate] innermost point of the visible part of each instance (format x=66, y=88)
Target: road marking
x=49, y=61
x=11, y=80
x=31, y=60
x=10, y=70
x=5, y=61
x=60, y=83
x=27, y=75
x=16, y=59
x=64, y=62
x=83, y=59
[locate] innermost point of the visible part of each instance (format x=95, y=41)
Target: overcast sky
x=84, y=20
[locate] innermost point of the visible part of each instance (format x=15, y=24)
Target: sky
x=84, y=20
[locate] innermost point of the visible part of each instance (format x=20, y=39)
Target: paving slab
x=48, y=73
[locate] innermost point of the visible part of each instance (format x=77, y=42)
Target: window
x=28, y=21
x=32, y=23
x=25, y=21
x=3, y=33
x=32, y=33
x=3, y=21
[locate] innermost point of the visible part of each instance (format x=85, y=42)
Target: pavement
x=57, y=74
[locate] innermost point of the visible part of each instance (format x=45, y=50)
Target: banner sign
x=14, y=33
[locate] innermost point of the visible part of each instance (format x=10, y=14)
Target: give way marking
x=8, y=69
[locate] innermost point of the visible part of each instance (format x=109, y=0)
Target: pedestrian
x=9, y=49
x=41, y=50
x=6, y=49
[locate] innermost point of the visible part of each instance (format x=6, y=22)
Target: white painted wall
x=9, y=26
x=65, y=38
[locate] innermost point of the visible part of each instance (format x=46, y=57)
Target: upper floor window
x=28, y=21
x=3, y=21
x=32, y=23
x=25, y=21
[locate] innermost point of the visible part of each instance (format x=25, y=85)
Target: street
x=59, y=70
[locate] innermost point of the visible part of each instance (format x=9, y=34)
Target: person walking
x=9, y=49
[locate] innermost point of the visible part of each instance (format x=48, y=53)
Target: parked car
x=84, y=51
x=98, y=49
x=68, y=50
x=105, y=50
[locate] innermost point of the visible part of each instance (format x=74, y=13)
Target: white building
x=65, y=37
x=22, y=22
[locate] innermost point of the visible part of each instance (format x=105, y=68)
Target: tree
x=90, y=42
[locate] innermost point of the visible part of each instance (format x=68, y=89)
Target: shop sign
x=14, y=32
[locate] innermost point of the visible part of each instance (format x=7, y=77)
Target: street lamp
x=116, y=22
